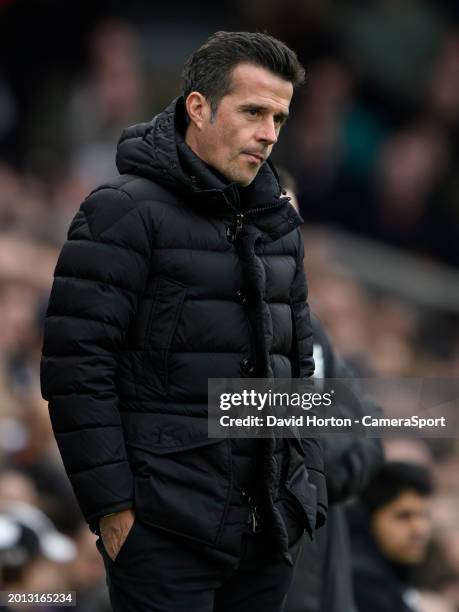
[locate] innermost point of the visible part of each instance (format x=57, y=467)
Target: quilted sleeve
x=101, y=272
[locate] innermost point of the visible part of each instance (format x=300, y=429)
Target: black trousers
x=158, y=572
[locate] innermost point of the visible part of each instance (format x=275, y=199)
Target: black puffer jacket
x=171, y=276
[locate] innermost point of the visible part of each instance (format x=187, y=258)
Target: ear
x=198, y=109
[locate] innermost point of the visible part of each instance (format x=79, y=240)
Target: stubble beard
x=236, y=175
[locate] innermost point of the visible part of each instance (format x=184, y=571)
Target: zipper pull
x=239, y=223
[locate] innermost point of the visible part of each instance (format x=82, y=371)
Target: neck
x=192, y=141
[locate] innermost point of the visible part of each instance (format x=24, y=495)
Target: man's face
x=241, y=135
x=402, y=528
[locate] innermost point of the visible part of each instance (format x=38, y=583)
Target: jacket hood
x=157, y=150
x=150, y=150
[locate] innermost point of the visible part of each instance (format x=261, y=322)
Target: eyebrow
x=281, y=115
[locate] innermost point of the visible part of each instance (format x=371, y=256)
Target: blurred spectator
x=32, y=551
x=16, y=487
x=35, y=455
x=409, y=169
x=443, y=84
x=110, y=98
x=390, y=530
x=391, y=43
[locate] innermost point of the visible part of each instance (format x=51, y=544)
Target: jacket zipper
x=262, y=208
x=239, y=218
x=239, y=224
x=253, y=520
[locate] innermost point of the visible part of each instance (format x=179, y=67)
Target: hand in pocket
x=114, y=530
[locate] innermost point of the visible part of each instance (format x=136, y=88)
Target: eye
x=253, y=112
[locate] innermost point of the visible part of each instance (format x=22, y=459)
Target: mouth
x=255, y=157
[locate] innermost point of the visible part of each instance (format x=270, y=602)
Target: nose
x=267, y=132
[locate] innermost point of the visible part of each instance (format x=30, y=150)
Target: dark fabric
x=337, y=591
x=157, y=572
x=379, y=585
x=156, y=290
x=323, y=578
x=323, y=573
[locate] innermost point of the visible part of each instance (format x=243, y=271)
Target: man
x=390, y=531
x=188, y=266
x=323, y=573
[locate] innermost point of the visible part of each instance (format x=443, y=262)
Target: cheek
x=399, y=529
x=236, y=139
x=424, y=529
x=390, y=534
x=222, y=143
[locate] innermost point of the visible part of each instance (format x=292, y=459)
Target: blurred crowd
x=372, y=147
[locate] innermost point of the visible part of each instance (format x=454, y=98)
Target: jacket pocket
x=182, y=477
x=163, y=320
x=304, y=494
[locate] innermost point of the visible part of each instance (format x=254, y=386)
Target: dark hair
x=394, y=478
x=209, y=69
